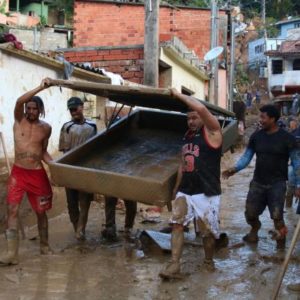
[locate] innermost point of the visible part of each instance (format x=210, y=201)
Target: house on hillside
x=257, y=48
x=27, y=20
x=284, y=69
x=22, y=70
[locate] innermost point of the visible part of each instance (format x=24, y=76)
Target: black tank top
x=201, y=166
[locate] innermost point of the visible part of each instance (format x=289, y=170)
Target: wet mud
x=142, y=152
x=97, y=270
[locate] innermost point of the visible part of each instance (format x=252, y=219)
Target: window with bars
x=296, y=64
x=277, y=66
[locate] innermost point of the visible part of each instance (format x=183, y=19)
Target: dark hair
x=40, y=104
x=271, y=111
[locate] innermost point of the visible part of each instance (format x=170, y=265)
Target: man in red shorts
x=28, y=175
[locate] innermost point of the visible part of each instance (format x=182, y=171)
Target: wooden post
x=286, y=262
x=151, y=43
x=5, y=153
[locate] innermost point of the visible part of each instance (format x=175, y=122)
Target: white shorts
x=199, y=207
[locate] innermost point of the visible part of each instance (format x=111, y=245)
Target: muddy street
x=95, y=270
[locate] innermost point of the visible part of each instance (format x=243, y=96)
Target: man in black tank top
x=273, y=147
x=197, y=189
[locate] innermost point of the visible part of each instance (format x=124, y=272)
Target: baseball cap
x=74, y=102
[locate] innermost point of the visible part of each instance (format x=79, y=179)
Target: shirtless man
x=28, y=175
x=198, y=188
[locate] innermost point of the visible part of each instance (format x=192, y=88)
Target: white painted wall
x=18, y=76
x=182, y=77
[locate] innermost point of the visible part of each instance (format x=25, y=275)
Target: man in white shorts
x=197, y=189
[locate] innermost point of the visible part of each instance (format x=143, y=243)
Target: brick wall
x=115, y=24
x=126, y=61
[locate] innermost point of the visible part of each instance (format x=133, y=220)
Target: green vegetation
x=2, y=7
x=64, y=5
x=276, y=9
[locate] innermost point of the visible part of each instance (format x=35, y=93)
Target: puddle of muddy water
x=94, y=270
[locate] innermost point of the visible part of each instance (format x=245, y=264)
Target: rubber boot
x=294, y=287
x=209, y=244
x=172, y=270
x=289, y=196
x=44, y=245
x=252, y=236
x=11, y=257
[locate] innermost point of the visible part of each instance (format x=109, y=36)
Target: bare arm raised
x=211, y=124
x=19, y=107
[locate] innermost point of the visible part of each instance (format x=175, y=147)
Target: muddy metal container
x=136, y=158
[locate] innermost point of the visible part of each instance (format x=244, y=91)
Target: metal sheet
x=162, y=240
x=136, y=159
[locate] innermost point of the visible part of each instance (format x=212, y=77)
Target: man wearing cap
x=73, y=134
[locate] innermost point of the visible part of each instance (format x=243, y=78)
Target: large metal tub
x=136, y=159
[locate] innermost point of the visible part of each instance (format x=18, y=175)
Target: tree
x=66, y=6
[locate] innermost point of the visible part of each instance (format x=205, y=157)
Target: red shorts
x=33, y=182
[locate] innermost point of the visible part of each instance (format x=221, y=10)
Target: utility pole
x=263, y=16
x=232, y=61
x=213, y=84
x=151, y=43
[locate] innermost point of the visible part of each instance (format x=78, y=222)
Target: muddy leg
x=289, y=196
x=209, y=244
x=281, y=231
x=131, y=209
x=12, y=237
x=73, y=206
x=252, y=236
x=84, y=203
x=172, y=270
x=42, y=221
x=109, y=233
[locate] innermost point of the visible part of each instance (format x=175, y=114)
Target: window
x=259, y=49
x=277, y=66
x=296, y=64
x=186, y=91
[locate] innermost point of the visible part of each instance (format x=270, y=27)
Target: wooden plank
x=137, y=96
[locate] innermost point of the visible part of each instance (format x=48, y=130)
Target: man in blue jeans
x=273, y=147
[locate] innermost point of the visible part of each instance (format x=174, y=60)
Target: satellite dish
x=213, y=53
